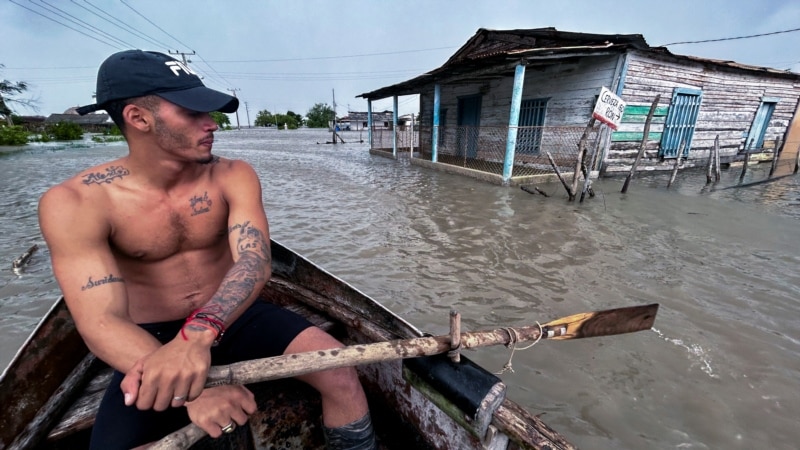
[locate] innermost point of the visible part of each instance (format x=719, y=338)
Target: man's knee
x=344, y=381
x=312, y=339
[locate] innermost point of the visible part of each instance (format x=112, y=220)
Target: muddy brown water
x=720, y=369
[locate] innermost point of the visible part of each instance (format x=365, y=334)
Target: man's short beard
x=210, y=160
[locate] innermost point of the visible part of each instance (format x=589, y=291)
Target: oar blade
x=603, y=323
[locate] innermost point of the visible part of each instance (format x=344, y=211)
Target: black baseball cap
x=136, y=73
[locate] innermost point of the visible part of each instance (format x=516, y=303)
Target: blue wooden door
x=469, y=121
x=680, y=123
x=755, y=139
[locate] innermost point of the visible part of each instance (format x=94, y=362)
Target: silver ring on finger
x=229, y=427
x=179, y=398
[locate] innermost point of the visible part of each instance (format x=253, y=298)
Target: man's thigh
x=264, y=330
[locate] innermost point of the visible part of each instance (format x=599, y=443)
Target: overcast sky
x=289, y=55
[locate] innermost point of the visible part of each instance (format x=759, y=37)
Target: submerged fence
x=483, y=148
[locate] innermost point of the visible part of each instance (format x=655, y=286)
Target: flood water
x=720, y=369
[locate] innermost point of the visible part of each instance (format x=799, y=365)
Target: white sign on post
x=609, y=108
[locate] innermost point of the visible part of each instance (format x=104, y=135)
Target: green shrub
x=113, y=131
x=13, y=135
x=107, y=139
x=65, y=131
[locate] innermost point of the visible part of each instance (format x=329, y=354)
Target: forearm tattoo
x=110, y=278
x=112, y=172
x=240, y=282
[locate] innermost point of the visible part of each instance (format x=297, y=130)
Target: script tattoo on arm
x=112, y=173
x=110, y=278
x=248, y=271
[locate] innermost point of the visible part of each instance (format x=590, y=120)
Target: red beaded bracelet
x=205, y=320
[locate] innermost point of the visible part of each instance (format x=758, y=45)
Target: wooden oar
x=593, y=324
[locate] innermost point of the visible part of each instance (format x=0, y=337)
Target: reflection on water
x=718, y=371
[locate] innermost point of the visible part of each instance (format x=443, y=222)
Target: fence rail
x=483, y=148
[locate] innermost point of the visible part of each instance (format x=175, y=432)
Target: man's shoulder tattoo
x=112, y=173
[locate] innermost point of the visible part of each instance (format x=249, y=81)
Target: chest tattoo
x=199, y=204
x=112, y=173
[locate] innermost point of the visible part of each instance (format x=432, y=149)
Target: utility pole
x=233, y=90
x=183, y=56
x=333, y=126
x=248, y=114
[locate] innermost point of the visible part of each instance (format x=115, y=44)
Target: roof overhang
x=491, y=54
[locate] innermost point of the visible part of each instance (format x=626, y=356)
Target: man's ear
x=137, y=117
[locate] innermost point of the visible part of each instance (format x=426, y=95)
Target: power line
x=312, y=58
x=374, y=72
x=65, y=25
x=120, y=24
x=176, y=40
x=153, y=24
x=225, y=81
x=732, y=38
x=61, y=13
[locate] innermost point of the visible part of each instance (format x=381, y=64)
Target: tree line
x=12, y=93
x=317, y=117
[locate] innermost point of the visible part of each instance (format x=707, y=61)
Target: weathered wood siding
x=569, y=85
x=730, y=99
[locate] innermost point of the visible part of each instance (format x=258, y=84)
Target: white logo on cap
x=176, y=66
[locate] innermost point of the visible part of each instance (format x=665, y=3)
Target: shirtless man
x=161, y=255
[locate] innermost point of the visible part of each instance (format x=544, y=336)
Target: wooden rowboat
x=52, y=388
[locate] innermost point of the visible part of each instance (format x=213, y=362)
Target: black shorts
x=262, y=331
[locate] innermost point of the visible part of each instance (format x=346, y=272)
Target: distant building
x=92, y=123
x=355, y=121
x=30, y=123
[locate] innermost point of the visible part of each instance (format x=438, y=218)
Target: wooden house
x=30, y=123
x=514, y=104
x=92, y=123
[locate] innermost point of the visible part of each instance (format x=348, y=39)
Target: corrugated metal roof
x=497, y=51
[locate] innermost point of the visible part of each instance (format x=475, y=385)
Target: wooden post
x=710, y=164
x=455, y=337
x=797, y=160
x=717, y=174
x=775, y=154
x=677, y=164
x=411, y=153
x=369, y=123
x=333, y=125
x=587, y=182
x=394, y=126
x=513, y=123
x=744, y=165
x=558, y=173
x=581, y=155
x=437, y=95
x=643, y=143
